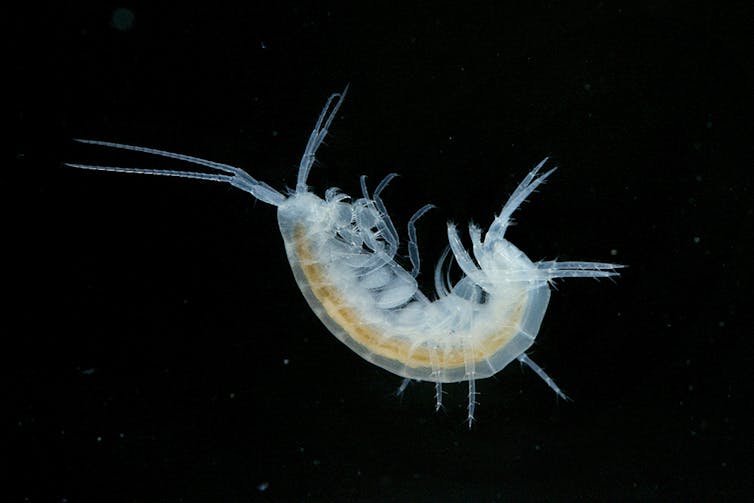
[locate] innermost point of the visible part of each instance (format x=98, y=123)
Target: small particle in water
x=122, y=19
x=263, y=486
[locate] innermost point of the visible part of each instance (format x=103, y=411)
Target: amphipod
x=342, y=251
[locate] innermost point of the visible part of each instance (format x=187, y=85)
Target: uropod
x=342, y=251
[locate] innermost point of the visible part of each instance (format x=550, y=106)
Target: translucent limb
x=230, y=174
x=543, y=375
x=413, y=246
x=524, y=190
x=317, y=137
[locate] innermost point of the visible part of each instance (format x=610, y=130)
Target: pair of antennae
x=230, y=174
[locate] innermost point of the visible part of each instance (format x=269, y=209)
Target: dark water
x=159, y=350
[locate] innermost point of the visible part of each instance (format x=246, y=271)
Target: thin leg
x=402, y=387
x=442, y=285
x=462, y=256
x=413, y=246
x=524, y=190
x=543, y=375
x=472, y=401
x=470, y=376
x=381, y=218
x=436, y=374
x=390, y=228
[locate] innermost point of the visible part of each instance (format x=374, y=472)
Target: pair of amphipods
x=342, y=252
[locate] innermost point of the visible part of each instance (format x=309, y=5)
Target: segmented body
x=343, y=255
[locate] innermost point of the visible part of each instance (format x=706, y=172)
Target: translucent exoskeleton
x=342, y=251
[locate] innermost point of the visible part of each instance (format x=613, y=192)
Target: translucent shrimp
x=343, y=255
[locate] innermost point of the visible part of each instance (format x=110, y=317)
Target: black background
x=158, y=348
